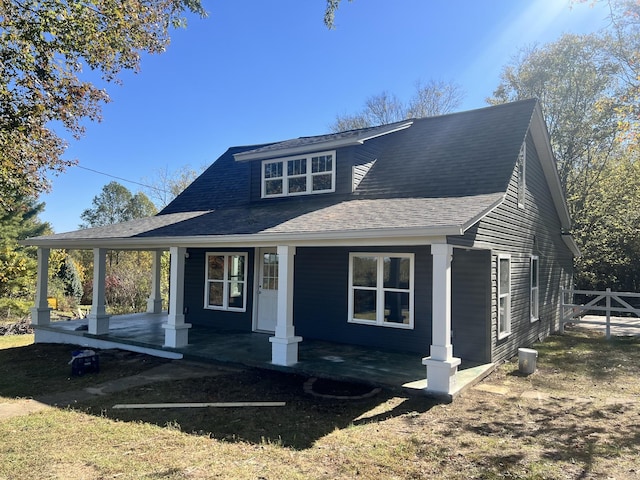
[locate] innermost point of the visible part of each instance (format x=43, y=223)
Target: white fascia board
x=327, y=145
x=543, y=146
x=382, y=237
x=571, y=244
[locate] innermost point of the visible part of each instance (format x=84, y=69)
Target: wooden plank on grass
x=199, y=405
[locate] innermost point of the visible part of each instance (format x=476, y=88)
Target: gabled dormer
x=312, y=165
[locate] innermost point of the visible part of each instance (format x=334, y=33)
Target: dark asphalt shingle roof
x=441, y=171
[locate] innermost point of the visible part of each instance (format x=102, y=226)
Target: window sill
x=371, y=323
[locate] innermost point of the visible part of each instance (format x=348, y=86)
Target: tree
x=608, y=229
x=330, y=13
x=433, y=98
x=116, y=204
x=167, y=185
x=128, y=276
x=44, y=47
x=17, y=263
x=70, y=277
x=584, y=91
x=577, y=84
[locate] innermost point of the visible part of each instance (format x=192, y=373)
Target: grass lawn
x=577, y=417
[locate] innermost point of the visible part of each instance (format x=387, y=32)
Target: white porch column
x=154, y=302
x=176, y=333
x=442, y=366
x=41, y=313
x=98, y=318
x=284, y=345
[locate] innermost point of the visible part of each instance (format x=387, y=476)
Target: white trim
x=380, y=289
x=371, y=237
x=521, y=168
x=226, y=282
x=331, y=144
x=534, y=293
x=308, y=175
x=542, y=143
x=507, y=331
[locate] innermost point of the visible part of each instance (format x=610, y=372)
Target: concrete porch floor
x=144, y=333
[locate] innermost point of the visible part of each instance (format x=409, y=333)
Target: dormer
x=299, y=175
x=310, y=165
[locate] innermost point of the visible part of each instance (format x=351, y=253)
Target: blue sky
x=259, y=71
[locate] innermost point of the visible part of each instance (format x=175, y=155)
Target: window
x=226, y=285
x=535, y=289
x=302, y=175
x=522, y=156
x=504, y=296
x=381, y=289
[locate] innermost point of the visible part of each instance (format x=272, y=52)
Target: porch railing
x=597, y=302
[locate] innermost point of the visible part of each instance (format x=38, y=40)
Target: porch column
x=154, y=302
x=41, y=313
x=176, y=331
x=98, y=318
x=284, y=345
x=442, y=366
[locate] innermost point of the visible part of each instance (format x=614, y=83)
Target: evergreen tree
x=17, y=262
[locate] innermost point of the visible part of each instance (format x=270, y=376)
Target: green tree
x=128, y=276
x=44, y=47
x=116, y=204
x=584, y=91
x=608, y=229
x=17, y=263
x=70, y=277
x=432, y=98
x=577, y=83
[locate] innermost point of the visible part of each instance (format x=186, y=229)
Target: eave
x=395, y=236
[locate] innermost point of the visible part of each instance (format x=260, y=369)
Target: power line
x=120, y=178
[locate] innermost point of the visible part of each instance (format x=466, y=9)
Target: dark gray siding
x=471, y=305
x=321, y=301
x=194, y=279
x=534, y=230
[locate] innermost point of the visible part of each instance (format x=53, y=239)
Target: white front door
x=267, y=290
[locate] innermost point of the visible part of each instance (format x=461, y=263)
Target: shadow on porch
x=143, y=333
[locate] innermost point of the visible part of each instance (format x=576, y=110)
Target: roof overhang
x=382, y=237
x=331, y=143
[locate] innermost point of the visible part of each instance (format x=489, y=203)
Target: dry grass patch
x=583, y=423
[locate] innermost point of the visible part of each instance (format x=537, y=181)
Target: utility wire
x=120, y=178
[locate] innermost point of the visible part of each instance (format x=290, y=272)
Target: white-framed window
x=522, y=185
x=299, y=175
x=381, y=289
x=504, y=295
x=226, y=281
x=535, y=288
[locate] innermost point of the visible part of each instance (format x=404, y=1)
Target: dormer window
x=299, y=175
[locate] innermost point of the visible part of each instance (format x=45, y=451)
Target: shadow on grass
x=566, y=432
x=589, y=353
x=40, y=369
x=298, y=425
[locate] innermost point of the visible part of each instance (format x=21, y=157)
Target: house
x=446, y=237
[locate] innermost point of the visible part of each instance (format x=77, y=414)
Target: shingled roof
x=435, y=175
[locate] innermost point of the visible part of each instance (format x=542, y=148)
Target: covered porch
x=144, y=332
x=169, y=333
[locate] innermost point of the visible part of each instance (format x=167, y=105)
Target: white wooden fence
x=608, y=302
